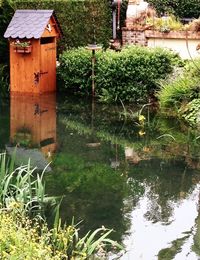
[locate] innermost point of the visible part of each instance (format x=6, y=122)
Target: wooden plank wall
x=22, y=69
x=48, y=67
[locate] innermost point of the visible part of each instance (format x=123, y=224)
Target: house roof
x=28, y=23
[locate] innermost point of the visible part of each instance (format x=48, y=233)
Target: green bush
x=129, y=75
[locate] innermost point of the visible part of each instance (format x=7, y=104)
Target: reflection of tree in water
x=93, y=193
x=196, y=245
x=163, y=187
x=158, y=209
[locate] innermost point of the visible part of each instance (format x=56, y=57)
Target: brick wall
x=134, y=36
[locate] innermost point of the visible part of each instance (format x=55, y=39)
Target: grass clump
x=182, y=95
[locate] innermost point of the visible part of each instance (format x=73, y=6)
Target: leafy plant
x=23, y=44
x=190, y=112
x=18, y=188
x=181, y=96
x=34, y=240
x=21, y=194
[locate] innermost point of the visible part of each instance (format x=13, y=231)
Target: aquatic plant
x=21, y=187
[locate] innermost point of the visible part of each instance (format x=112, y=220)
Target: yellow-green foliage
x=24, y=239
x=19, y=239
x=165, y=24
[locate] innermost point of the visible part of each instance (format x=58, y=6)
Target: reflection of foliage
x=23, y=137
x=170, y=252
x=164, y=185
x=196, y=246
x=93, y=192
x=104, y=136
x=161, y=146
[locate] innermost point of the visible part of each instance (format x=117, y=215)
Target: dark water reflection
x=139, y=177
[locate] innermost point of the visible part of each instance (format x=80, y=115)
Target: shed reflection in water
x=33, y=128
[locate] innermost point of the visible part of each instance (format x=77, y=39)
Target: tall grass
x=183, y=89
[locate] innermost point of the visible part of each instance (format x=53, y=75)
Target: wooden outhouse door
x=48, y=64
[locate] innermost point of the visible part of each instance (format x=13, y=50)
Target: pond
x=125, y=168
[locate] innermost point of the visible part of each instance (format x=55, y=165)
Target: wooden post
x=93, y=75
x=93, y=47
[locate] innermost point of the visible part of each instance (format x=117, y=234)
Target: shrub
x=4, y=79
x=129, y=75
x=75, y=69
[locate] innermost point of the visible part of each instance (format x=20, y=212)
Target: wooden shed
x=32, y=38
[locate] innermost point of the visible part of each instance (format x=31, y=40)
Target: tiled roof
x=28, y=24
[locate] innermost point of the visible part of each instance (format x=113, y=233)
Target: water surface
x=139, y=177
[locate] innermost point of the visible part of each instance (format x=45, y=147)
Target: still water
x=138, y=175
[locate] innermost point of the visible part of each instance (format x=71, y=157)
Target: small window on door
x=47, y=40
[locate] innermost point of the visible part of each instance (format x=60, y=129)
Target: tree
x=6, y=12
x=180, y=8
